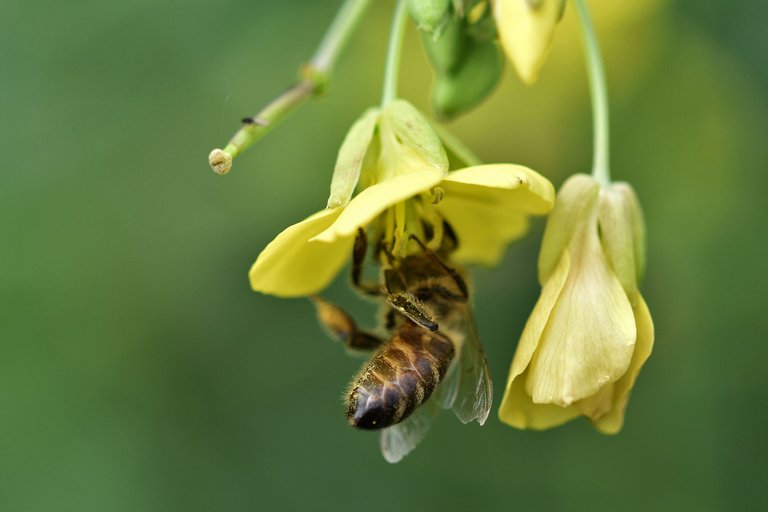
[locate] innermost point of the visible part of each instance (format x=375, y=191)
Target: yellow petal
x=516, y=408
x=373, y=200
x=486, y=206
x=612, y=422
x=526, y=32
x=293, y=265
x=351, y=156
x=537, y=322
x=590, y=336
x=597, y=405
x=510, y=186
x=617, y=237
x=574, y=205
x=413, y=132
x=638, y=225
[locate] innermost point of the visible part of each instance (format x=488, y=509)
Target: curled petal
x=617, y=236
x=512, y=186
x=294, y=265
x=590, y=336
x=350, y=160
x=574, y=205
x=413, y=132
x=612, y=422
x=516, y=408
x=487, y=206
x=373, y=200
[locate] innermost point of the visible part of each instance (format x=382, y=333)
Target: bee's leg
x=359, y=251
x=460, y=283
x=413, y=309
x=342, y=327
x=450, y=242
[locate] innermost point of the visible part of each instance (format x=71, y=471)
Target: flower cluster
x=590, y=332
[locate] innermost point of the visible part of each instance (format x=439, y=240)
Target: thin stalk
x=599, y=92
x=313, y=78
x=455, y=146
x=394, y=51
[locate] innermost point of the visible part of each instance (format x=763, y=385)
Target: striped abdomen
x=399, y=378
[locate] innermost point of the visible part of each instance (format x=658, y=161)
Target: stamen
x=399, y=246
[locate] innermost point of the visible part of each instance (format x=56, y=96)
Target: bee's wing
x=469, y=390
x=399, y=440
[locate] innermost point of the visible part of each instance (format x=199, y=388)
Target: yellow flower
x=525, y=29
x=590, y=331
x=398, y=162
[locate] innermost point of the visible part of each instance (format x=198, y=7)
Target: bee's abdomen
x=399, y=378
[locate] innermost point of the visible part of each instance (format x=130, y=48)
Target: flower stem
x=452, y=143
x=313, y=78
x=391, y=71
x=599, y=92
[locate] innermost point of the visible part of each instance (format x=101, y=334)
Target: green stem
x=394, y=51
x=313, y=78
x=455, y=146
x=599, y=92
x=338, y=34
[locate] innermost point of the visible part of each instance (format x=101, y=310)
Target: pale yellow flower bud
x=590, y=332
x=526, y=28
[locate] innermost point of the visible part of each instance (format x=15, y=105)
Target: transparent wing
x=399, y=440
x=473, y=386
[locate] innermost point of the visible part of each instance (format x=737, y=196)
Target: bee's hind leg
x=342, y=327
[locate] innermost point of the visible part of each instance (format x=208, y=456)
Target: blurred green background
x=139, y=372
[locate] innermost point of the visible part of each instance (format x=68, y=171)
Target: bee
x=432, y=358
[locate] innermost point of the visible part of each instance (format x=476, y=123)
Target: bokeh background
x=139, y=372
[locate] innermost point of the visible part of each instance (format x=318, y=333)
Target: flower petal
x=590, y=336
x=373, y=200
x=638, y=225
x=293, y=265
x=352, y=153
x=516, y=408
x=486, y=206
x=617, y=235
x=575, y=203
x=612, y=422
x=510, y=186
x=412, y=130
x=526, y=32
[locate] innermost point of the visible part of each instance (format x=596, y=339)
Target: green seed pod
x=457, y=92
x=428, y=14
x=447, y=52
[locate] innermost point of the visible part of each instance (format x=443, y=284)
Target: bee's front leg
x=413, y=309
x=342, y=327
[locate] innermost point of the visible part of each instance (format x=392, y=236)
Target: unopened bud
x=457, y=92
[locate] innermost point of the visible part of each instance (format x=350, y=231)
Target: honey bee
x=432, y=358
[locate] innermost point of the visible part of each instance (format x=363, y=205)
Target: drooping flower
x=590, y=331
x=398, y=164
x=526, y=28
